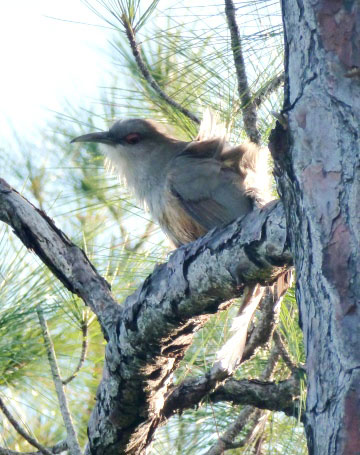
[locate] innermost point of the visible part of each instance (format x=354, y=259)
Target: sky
x=48, y=57
x=55, y=51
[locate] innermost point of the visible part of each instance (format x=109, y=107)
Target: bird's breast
x=177, y=224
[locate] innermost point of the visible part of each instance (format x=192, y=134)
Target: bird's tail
x=230, y=355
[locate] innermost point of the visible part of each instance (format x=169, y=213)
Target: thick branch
x=68, y=262
x=150, y=335
x=281, y=396
x=173, y=303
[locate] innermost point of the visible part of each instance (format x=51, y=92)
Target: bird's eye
x=132, y=138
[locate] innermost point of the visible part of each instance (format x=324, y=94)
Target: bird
x=189, y=187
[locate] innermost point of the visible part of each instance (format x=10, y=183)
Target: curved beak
x=102, y=137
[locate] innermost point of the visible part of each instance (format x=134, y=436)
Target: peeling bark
x=318, y=174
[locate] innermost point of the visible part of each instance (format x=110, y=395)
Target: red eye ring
x=132, y=138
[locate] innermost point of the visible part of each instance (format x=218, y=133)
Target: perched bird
x=188, y=187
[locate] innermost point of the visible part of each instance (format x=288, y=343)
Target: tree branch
x=21, y=431
x=135, y=48
x=149, y=335
x=68, y=262
x=283, y=352
x=192, y=391
x=281, y=396
x=71, y=438
x=58, y=448
x=255, y=422
x=270, y=87
x=247, y=104
x=226, y=440
x=84, y=346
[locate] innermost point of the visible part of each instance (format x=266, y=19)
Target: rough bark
x=149, y=334
x=318, y=174
x=282, y=396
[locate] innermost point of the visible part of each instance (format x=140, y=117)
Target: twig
x=226, y=440
x=247, y=104
x=250, y=434
x=71, y=439
x=271, y=364
x=283, y=352
x=21, y=431
x=58, y=448
x=135, y=48
x=268, y=89
x=84, y=346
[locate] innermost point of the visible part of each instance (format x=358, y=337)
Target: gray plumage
x=188, y=187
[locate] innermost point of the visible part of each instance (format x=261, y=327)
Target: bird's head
x=137, y=150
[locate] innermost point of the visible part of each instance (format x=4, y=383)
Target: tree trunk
x=318, y=173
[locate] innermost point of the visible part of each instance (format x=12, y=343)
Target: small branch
x=21, y=431
x=264, y=93
x=135, y=48
x=283, y=352
x=226, y=440
x=58, y=448
x=84, y=346
x=271, y=364
x=255, y=423
x=71, y=439
x=247, y=105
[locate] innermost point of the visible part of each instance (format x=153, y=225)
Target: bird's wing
x=209, y=192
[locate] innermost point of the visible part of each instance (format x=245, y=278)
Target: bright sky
x=45, y=61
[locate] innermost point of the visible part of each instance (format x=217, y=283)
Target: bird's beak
x=102, y=137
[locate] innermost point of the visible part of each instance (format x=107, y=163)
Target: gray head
x=129, y=132
x=138, y=150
